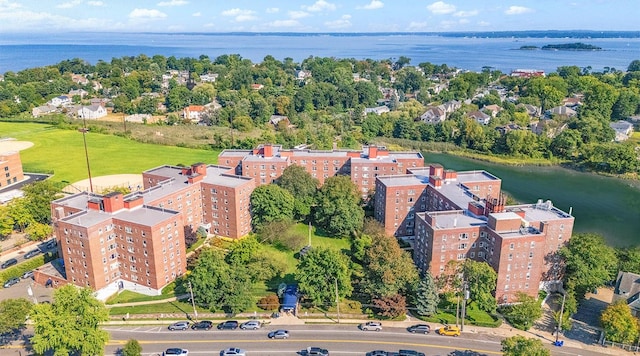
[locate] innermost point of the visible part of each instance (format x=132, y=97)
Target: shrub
x=269, y=302
x=390, y=307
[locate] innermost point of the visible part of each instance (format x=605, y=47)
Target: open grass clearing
x=62, y=152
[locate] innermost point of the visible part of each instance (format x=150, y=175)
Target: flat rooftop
x=403, y=180
x=476, y=176
x=227, y=180
x=453, y=219
x=145, y=215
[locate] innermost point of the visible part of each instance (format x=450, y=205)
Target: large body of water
x=471, y=52
x=603, y=205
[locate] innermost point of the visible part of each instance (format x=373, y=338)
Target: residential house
x=378, y=110
x=193, y=112
x=276, y=119
x=257, y=86
x=627, y=288
x=451, y=106
x=561, y=111
x=527, y=73
x=61, y=100
x=79, y=92
x=503, y=130
x=480, y=117
x=139, y=118
x=492, y=109
x=79, y=79
x=43, y=110
x=209, y=78
x=99, y=101
x=433, y=115
x=572, y=102
x=532, y=110
x=623, y=130
x=92, y=112
x=303, y=75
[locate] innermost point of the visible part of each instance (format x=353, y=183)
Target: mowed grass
x=62, y=151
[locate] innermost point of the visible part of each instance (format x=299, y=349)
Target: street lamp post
x=84, y=131
x=465, y=297
x=193, y=303
x=559, y=327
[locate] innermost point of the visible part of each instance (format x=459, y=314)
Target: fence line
x=626, y=347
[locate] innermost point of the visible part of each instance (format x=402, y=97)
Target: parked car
x=32, y=253
x=27, y=274
x=181, y=325
x=251, y=325
x=233, y=351
x=175, y=351
x=202, y=325
x=449, y=330
x=11, y=281
x=419, y=328
x=410, y=353
x=377, y=353
x=228, y=325
x=317, y=351
x=8, y=263
x=278, y=334
x=371, y=325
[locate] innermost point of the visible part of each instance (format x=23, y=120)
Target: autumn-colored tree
x=619, y=324
x=390, y=307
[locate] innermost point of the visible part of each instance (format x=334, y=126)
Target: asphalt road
x=339, y=340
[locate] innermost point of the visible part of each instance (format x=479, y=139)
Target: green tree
x=132, y=348
x=629, y=259
x=522, y=346
x=20, y=213
x=38, y=198
x=619, y=324
x=270, y=203
x=13, y=314
x=524, y=312
x=71, y=324
x=481, y=280
x=427, y=298
x=388, y=269
x=318, y=273
x=590, y=263
x=297, y=181
x=38, y=232
x=6, y=222
x=338, y=209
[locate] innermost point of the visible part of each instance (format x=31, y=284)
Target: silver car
x=181, y=325
x=278, y=334
x=233, y=351
x=250, y=325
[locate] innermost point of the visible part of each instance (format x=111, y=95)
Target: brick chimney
x=113, y=202
x=199, y=168
x=267, y=150
x=133, y=202
x=373, y=151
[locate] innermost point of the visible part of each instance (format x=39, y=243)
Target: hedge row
x=18, y=270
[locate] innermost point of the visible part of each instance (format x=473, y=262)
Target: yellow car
x=449, y=330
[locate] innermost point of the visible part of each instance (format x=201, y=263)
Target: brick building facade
x=462, y=215
x=10, y=168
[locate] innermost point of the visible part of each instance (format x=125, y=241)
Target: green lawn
x=62, y=151
x=162, y=308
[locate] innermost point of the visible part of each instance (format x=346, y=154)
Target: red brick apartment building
x=460, y=215
x=10, y=168
x=136, y=241
x=267, y=162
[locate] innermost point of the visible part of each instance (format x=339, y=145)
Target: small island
x=578, y=46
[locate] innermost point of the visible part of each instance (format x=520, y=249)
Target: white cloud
x=373, y=5
x=146, y=14
x=298, y=14
x=69, y=4
x=173, y=3
x=95, y=3
x=417, y=26
x=284, y=23
x=5, y=6
x=320, y=5
x=484, y=23
x=240, y=15
x=272, y=10
x=342, y=22
x=441, y=8
x=196, y=14
x=517, y=10
x=466, y=13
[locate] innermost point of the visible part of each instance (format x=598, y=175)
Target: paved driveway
x=19, y=290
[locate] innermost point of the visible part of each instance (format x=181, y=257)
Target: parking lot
x=20, y=290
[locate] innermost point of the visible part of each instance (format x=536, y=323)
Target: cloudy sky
x=31, y=16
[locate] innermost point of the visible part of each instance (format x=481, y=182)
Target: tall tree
x=320, y=271
x=619, y=324
x=13, y=313
x=589, y=262
x=71, y=324
x=338, y=209
x=6, y=222
x=297, y=181
x=481, y=280
x=270, y=203
x=524, y=312
x=522, y=346
x=427, y=298
x=38, y=199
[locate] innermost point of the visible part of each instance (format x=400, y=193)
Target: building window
x=511, y=245
x=510, y=256
x=464, y=236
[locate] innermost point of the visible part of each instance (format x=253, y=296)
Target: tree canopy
x=590, y=263
x=522, y=346
x=318, y=273
x=270, y=203
x=71, y=324
x=338, y=210
x=13, y=314
x=297, y=181
x=619, y=324
x=481, y=279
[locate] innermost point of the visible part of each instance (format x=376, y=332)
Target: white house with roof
x=209, y=77
x=378, y=110
x=561, y=111
x=433, y=115
x=92, y=112
x=80, y=92
x=60, y=101
x=623, y=130
x=480, y=117
x=43, y=110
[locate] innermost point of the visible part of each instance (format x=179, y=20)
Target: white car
x=371, y=325
x=250, y=325
x=233, y=351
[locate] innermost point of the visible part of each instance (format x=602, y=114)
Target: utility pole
x=465, y=297
x=564, y=295
x=193, y=302
x=337, y=299
x=457, y=310
x=84, y=131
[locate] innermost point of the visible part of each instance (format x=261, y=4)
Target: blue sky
x=46, y=16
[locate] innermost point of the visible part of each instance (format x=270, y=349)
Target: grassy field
x=62, y=151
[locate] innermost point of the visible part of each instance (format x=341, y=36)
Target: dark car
x=377, y=353
x=8, y=263
x=316, y=351
x=409, y=353
x=228, y=325
x=32, y=253
x=175, y=351
x=202, y=325
x=11, y=281
x=419, y=328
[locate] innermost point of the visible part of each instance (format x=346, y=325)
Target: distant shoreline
x=578, y=46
